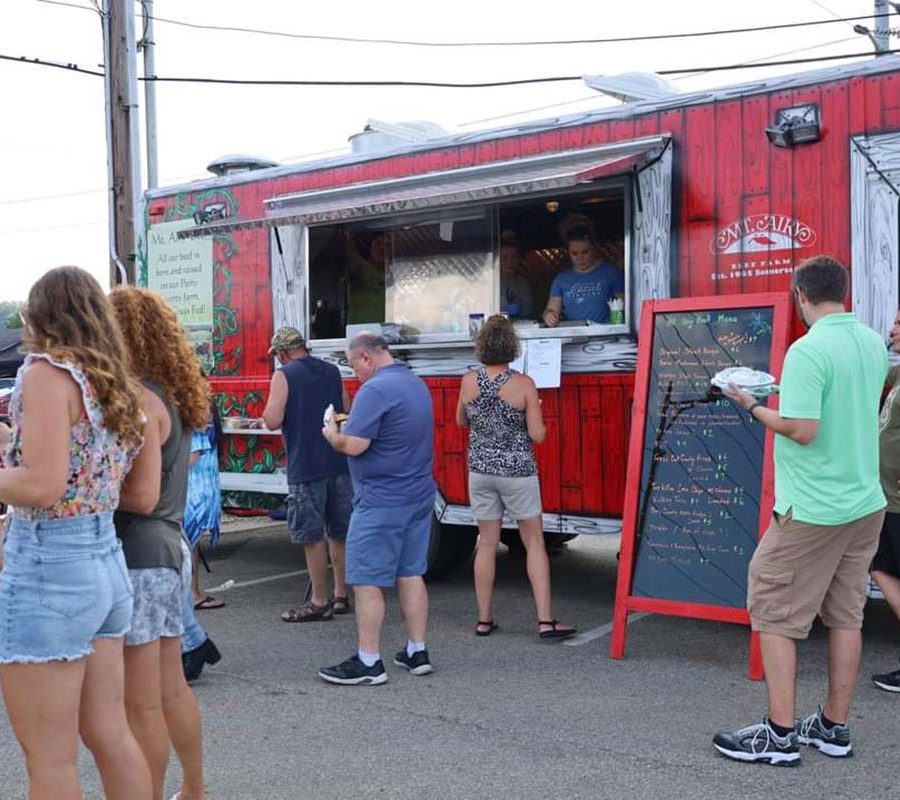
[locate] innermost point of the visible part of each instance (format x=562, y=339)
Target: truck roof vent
x=380, y=135
x=632, y=86
x=238, y=162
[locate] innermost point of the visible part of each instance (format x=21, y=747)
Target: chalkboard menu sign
x=699, y=477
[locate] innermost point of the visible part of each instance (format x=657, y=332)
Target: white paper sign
x=541, y=359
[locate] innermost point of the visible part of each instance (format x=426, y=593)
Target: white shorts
x=489, y=495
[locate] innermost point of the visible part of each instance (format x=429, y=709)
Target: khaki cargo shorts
x=801, y=570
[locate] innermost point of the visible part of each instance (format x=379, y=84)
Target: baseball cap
x=286, y=338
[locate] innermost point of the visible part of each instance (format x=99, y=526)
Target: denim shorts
x=318, y=507
x=388, y=543
x=159, y=594
x=64, y=583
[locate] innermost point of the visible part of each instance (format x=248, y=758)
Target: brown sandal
x=308, y=612
x=489, y=624
x=340, y=605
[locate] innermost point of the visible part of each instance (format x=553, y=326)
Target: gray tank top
x=154, y=539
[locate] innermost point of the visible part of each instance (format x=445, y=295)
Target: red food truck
x=709, y=193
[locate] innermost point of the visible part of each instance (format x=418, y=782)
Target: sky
x=53, y=203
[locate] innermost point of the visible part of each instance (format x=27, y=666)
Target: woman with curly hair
x=65, y=597
x=502, y=411
x=159, y=702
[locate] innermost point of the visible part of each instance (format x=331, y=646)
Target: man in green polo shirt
x=829, y=507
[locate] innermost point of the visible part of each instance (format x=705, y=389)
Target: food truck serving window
x=424, y=276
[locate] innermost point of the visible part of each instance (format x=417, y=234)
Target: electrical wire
x=96, y=8
x=594, y=95
x=431, y=84
x=41, y=198
x=39, y=62
x=537, y=43
x=534, y=43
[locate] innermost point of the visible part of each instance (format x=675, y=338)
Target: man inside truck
x=366, y=279
x=516, y=297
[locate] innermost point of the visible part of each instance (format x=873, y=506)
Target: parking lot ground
x=506, y=716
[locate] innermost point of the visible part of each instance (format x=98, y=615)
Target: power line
x=416, y=43
x=778, y=55
x=96, y=8
x=433, y=84
x=53, y=227
x=533, y=43
x=594, y=95
x=68, y=66
x=51, y=197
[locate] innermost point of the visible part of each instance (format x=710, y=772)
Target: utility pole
x=123, y=142
x=147, y=45
x=881, y=37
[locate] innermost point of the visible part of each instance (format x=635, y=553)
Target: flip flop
x=209, y=602
x=489, y=624
x=557, y=630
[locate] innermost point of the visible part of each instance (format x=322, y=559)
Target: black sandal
x=340, y=604
x=557, y=631
x=308, y=612
x=489, y=624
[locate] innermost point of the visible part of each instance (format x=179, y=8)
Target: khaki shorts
x=801, y=570
x=490, y=494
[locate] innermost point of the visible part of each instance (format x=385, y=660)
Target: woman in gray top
x=502, y=410
x=159, y=702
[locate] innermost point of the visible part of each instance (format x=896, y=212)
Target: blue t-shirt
x=393, y=409
x=585, y=294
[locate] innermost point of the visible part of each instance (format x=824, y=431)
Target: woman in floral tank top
x=65, y=597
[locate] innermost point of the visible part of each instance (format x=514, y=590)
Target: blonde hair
x=160, y=351
x=68, y=317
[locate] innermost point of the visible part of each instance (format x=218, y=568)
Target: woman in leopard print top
x=502, y=410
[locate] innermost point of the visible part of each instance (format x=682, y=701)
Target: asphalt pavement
x=506, y=716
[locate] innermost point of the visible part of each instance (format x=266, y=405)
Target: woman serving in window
x=584, y=291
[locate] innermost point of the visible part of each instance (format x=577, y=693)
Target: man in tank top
x=319, y=490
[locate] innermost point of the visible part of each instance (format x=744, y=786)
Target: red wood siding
x=581, y=462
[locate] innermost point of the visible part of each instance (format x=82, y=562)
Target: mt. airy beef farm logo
x=759, y=246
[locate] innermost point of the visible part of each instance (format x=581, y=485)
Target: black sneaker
x=759, y=743
x=193, y=661
x=889, y=681
x=834, y=742
x=353, y=672
x=417, y=663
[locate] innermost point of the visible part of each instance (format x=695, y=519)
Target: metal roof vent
x=631, y=86
x=238, y=162
x=380, y=135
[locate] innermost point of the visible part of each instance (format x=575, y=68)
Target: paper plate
x=743, y=377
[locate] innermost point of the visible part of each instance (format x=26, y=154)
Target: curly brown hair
x=68, y=316
x=496, y=342
x=160, y=351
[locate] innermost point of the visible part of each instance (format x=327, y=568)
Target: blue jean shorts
x=318, y=507
x=388, y=543
x=64, y=583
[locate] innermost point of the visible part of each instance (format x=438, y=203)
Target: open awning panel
x=421, y=193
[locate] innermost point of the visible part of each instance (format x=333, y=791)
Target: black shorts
x=887, y=559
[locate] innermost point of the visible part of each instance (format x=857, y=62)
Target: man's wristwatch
x=753, y=406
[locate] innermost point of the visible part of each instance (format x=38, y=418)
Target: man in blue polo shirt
x=389, y=440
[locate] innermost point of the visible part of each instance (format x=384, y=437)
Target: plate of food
x=752, y=381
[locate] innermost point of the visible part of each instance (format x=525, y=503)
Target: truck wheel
x=450, y=547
